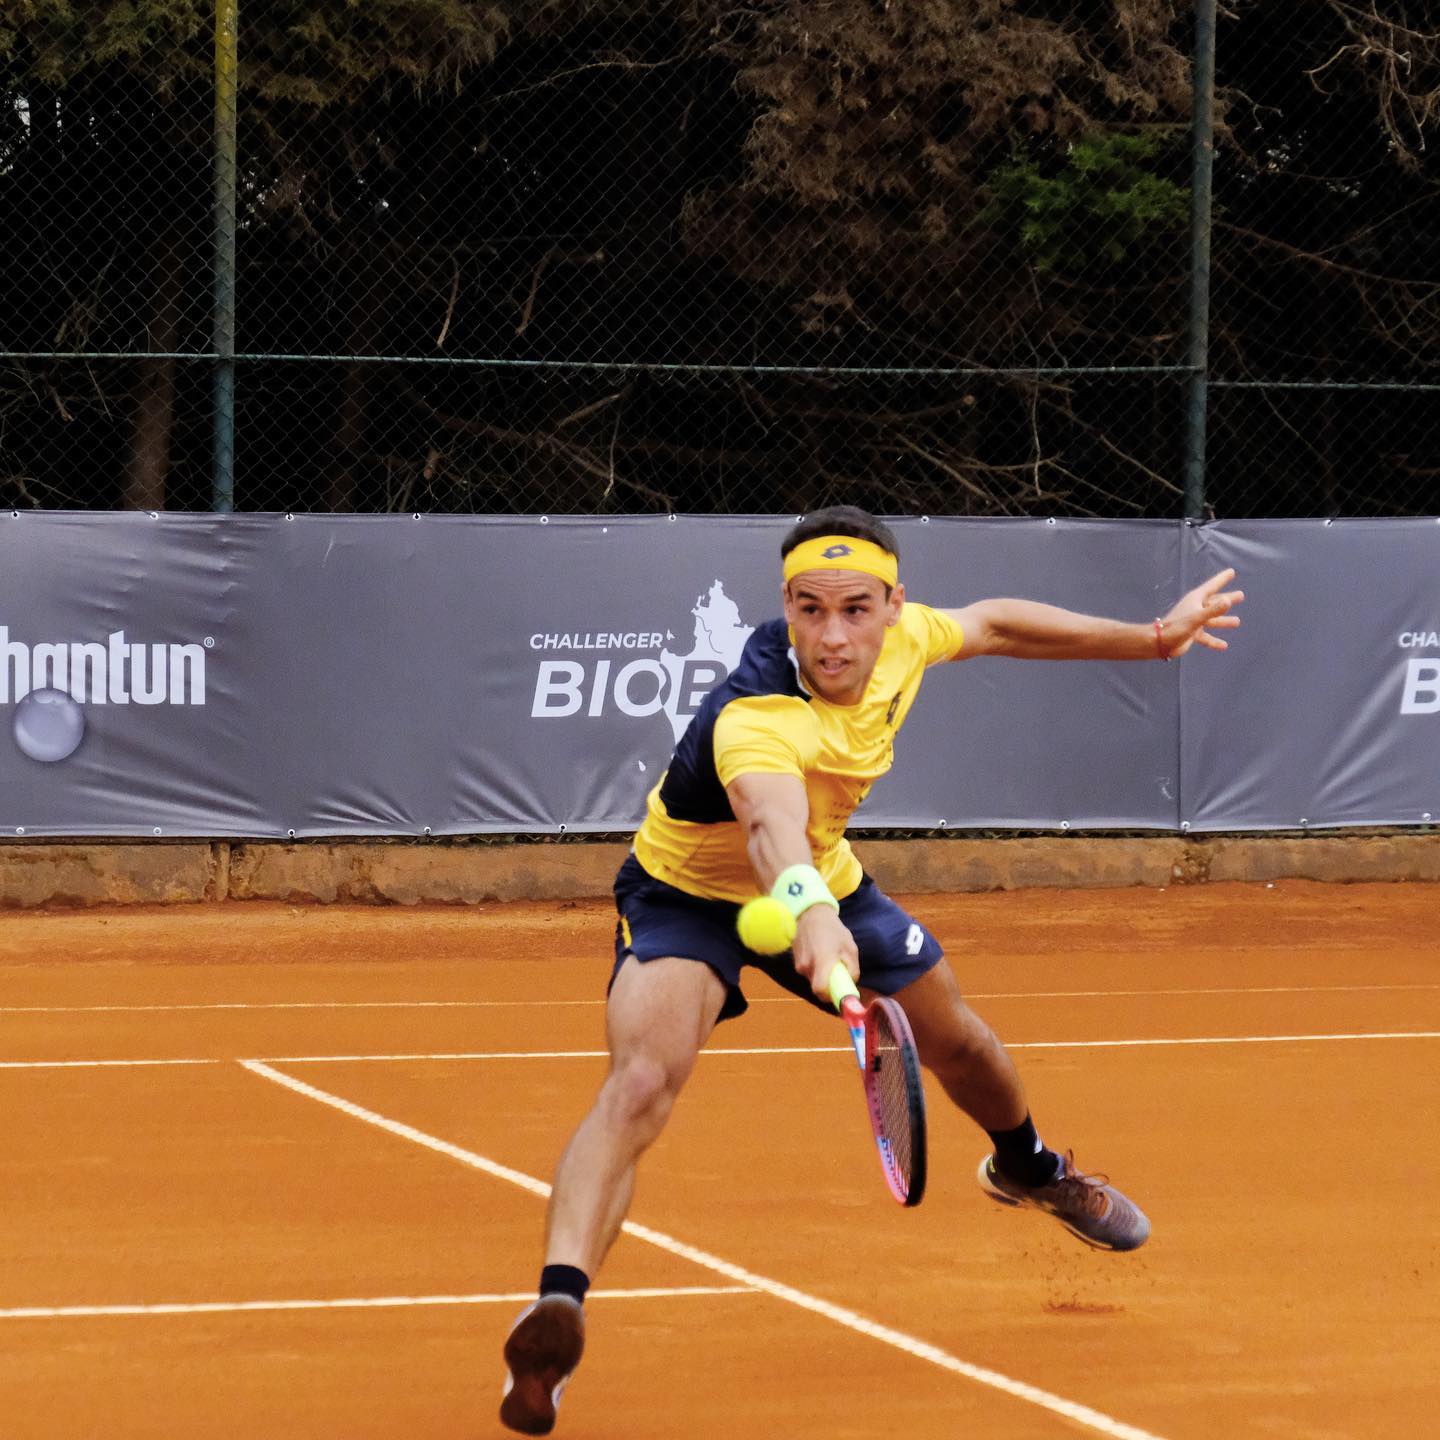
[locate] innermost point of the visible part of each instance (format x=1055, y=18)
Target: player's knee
x=640, y=1092
x=960, y=1049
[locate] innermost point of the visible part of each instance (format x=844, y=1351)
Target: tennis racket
x=890, y=1069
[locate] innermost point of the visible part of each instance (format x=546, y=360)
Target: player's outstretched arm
x=773, y=811
x=1028, y=630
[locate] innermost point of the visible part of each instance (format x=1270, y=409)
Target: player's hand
x=1205, y=608
x=821, y=940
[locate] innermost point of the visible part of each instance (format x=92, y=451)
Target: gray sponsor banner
x=256, y=675
x=1326, y=709
x=327, y=675
x=1004, y=744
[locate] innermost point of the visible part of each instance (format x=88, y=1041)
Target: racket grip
x=841, y=987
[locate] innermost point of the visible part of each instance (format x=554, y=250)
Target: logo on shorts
x=837, y=552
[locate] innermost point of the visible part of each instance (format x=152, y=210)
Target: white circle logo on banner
x=48, y=725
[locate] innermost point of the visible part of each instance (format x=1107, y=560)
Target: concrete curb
x=66, y=874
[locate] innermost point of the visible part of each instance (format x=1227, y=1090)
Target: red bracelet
x=1160, y=649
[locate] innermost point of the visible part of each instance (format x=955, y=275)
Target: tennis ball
x=766, y=926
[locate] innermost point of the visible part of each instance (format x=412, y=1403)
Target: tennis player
x=760, y=789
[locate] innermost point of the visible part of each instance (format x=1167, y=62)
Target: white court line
x=427, y=1055
x=834, y=1049
x=548, y=1054
x=292, y=1005
x=1057, y=1404
x=97, y=1064
x=377, y=1302
x=420, y=1055
x=1221, y=1040
x=1199, y=990
x=760, y=1000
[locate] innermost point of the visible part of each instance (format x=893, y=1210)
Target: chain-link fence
x=557, y=255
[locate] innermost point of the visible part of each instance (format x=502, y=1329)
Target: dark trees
x=975, y=209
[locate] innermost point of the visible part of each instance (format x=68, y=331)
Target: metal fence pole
x=1197, y=348
x=223, y=327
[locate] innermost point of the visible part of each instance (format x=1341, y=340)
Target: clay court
x=280, y=1170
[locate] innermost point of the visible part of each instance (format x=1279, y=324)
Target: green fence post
x=223, y=325
x=1197, y=347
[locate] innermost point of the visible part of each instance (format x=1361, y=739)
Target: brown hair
x=841, y=520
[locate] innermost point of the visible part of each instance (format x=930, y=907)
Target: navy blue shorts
x=657, y=920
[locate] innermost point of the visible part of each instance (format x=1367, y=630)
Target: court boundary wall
x=63, y=875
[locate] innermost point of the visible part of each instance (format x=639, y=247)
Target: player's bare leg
x=962, y=1051
x=968, y=1060
x=658, y=1016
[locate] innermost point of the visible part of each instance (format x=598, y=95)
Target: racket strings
x=892, y=1090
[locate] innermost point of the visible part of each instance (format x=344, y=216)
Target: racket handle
x=846, y=999
x=841, y=987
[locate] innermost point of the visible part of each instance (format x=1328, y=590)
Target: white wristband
x=799, y=887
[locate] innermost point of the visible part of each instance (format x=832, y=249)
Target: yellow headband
x=842, y=552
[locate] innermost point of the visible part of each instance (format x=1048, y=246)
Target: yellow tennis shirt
x=761, y=720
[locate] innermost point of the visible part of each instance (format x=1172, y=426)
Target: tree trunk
x=367, y=310
x=349, y=436
x=153, y=420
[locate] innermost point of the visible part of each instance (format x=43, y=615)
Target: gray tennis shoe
x=541, y=1353
x=1086, y=1205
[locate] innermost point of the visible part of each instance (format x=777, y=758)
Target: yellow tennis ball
x=766, y=926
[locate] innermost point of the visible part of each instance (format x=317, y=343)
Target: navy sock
x=564, y=1280
x=1021, y=1156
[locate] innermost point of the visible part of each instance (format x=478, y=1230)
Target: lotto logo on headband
x=841, y=552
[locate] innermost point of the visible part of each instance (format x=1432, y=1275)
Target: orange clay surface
x=1257, y=1066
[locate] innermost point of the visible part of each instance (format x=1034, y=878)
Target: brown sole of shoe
x=542, y=1352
